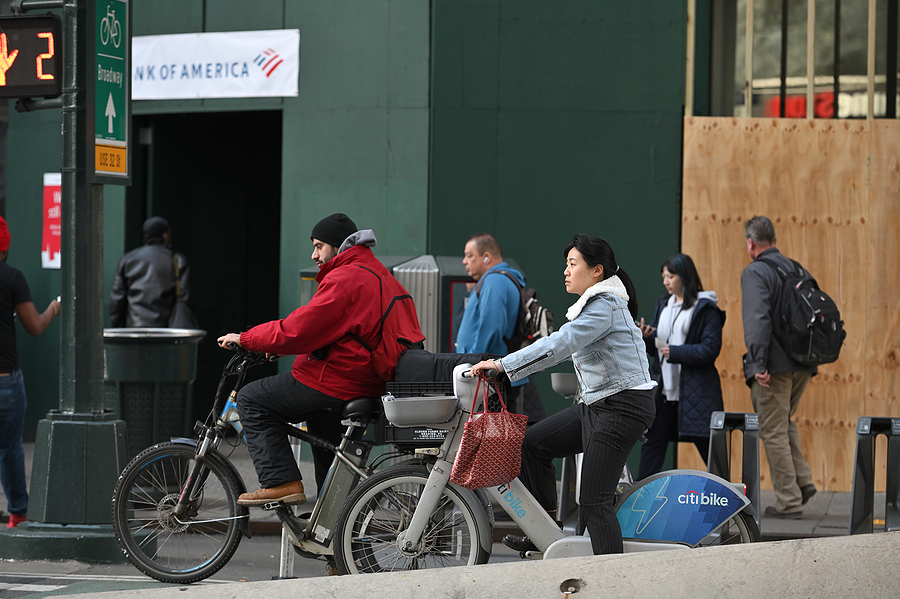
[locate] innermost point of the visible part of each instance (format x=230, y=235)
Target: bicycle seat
x=564, y=383
x=363, y=407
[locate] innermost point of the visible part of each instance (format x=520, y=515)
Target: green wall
x=356, y=138
x=550, y=119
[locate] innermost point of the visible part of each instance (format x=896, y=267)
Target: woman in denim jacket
x=615, y=389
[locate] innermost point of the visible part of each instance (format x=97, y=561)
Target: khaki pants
x=776, y=405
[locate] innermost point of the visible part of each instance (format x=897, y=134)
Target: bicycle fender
x=225, y=463
x=482, y=521
x=678, y=506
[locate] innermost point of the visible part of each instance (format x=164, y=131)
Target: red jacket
x=347, y=301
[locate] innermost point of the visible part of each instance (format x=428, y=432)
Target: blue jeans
x=12, y=456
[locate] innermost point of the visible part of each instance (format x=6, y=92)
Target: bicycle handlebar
x=489, y=373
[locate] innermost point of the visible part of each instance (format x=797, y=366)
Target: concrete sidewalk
x=827, y=513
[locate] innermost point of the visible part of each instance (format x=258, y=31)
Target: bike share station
x=862, y=503
x=722, y=427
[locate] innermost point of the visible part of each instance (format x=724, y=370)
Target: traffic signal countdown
x=30, y=56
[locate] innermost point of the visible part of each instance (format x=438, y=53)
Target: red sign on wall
x=795, y=106
x=52, y=231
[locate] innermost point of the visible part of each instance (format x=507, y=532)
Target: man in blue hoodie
x=490, y=316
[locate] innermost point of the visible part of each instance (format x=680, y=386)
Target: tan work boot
x=288, y=493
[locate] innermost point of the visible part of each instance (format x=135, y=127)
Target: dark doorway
x=217, y=178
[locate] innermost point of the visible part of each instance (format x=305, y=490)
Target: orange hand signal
x=6, y=59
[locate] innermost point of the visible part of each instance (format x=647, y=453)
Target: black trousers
x=266, y=406
x=663, y=430
x=605, y=431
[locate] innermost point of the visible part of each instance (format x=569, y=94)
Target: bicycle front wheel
x=379, y=511
x=166, y=547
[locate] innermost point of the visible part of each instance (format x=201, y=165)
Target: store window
x=779, y=55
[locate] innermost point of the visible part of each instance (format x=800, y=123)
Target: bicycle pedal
x=272, y=505
x=532, y=555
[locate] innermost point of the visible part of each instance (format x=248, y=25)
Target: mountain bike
x=174, y=508
x=411, y=516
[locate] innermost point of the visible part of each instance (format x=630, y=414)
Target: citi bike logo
x=695, y=498
x=514, y=502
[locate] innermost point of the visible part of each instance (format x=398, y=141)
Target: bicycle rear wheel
x=742, y=528
x=379, y=511
x=159, y=544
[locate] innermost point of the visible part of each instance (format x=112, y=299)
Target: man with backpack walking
x=491, y=316
x=776, y=380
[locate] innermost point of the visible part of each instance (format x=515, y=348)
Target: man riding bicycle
x=331, y=366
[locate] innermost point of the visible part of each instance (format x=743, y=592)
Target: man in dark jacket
x=331, y=366
x=143, y=292
x=776, y=381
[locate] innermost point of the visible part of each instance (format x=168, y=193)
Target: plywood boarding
x=832, y=189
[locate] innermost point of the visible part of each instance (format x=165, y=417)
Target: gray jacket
x=604, y=343
x=760, y=289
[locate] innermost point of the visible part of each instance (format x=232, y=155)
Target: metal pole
x=837, y=57
x=81, y=348
x=810, y=58
x=748, y=63
x=691, y=54
x=784, y=43
x=870, y=62
x=890, y=88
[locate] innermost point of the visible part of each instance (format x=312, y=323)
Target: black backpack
x=807, y=324
x=533, y=322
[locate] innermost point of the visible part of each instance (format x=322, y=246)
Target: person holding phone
x=686, y=337
x=15, y=302
x=615, y=391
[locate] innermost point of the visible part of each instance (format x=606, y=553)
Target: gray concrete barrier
x=848, y=566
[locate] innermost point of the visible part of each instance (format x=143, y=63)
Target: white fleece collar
x=612, y=285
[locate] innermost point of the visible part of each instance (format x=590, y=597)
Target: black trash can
x=148, y=377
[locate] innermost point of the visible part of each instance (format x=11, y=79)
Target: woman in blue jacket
x=686, y=337
x=615, y=390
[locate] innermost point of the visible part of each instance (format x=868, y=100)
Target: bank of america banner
x=243, y=64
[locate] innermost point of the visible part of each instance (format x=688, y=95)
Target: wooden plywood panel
x=882, y=368
x=814, y=180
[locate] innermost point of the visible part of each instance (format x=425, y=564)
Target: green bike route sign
x=112, y=90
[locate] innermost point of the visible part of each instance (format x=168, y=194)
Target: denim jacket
x=605, y=344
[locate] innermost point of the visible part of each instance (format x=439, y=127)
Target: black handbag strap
x=177, y=284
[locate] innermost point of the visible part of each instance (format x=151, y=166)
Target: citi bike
x=411, y=516
x=174, y=508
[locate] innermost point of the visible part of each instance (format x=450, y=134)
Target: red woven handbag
x=490, y=451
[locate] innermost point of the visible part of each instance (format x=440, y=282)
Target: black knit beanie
x=334, y=229
x=154, y=229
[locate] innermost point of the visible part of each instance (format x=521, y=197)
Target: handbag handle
x=485, y=397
